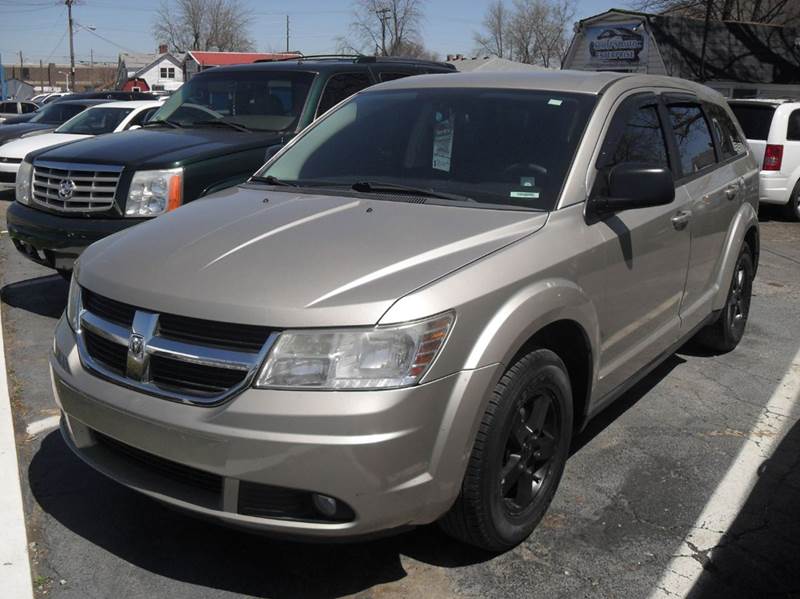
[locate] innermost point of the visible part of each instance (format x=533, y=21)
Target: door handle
x=731, y=191
x=681, y=219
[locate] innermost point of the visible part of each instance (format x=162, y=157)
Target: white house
x=150, y=72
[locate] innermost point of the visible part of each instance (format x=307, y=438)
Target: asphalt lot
x=639, y=477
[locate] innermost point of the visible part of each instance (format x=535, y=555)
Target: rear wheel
x=726, y=332
x=792, y=210
x=518, y=457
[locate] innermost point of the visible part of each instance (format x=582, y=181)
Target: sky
x=38, y=27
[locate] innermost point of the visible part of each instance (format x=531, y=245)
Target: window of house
x=728, y=138
x=168, y=72
x=692, y=136
x=342, y=86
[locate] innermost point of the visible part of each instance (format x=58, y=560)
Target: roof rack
x=286, y=57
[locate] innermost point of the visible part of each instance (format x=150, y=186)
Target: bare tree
x=386, y=27
x=531, y=31
x=494, y=39
x=203, y=25
x=775, y=12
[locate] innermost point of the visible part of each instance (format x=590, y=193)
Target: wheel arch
x=744, y=228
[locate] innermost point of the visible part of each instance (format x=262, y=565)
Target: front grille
x=8, y=160
x=8, y=177
x=174, y=471
x=108, y=308
x=237, y=337
x=111, y=355
x=93, y=187
x=199, y=379
x=183, y=359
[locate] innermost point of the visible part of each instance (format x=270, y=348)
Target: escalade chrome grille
x=75, y=187
x=175, y=357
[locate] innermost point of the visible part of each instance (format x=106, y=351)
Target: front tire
x=518, y=457
x=724, y=334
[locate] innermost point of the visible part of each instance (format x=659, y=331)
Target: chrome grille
x=193, y=363
x=75, y=187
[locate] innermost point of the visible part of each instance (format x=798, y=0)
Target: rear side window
x=342, y=86
x=755, y=120
x=642, y=140
x=728, y=138
x=793, y=130
x=28, y=107
x=692, y=137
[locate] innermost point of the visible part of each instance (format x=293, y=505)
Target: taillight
x=773, y=156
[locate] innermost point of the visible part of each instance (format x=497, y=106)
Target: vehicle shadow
x=759, y=556
x=45, y=296
x=7, y=195
x=177, y=546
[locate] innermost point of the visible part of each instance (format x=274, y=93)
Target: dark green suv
x=211, y=134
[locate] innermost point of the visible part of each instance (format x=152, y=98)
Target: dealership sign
x=617, y=46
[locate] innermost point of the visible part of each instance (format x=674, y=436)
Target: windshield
x=258, y=100
x=55, y=114
x=95, y=121
x=510, y=147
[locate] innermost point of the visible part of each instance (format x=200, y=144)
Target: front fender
x=745, y=219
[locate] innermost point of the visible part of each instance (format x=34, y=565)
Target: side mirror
x=635, y=185
x=272, y=150
x=134, y=127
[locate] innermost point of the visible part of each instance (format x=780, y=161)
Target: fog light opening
x=327, y=506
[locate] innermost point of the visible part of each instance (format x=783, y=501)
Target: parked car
x=52, y=185
x=55, y=96
x=402, y=320
x=46, y=119
x=210, y=134
x=772, y=128
x=107, y=95
x=14, y=108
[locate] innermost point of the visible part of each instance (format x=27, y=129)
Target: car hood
x=19, y=148
x=285, y=259
x=12, y=131
x=160, y=147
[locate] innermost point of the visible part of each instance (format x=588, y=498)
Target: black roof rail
x=310, y=57
x=362, y=58
x=401, y=59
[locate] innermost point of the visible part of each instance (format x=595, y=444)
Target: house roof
x=218, y=59
x=177, y=61
x=493, y=63
x=735, y=51
x=136, y=60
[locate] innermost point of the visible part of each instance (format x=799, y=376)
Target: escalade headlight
x=154, y=192
x=24, y=176
x=370, y=358
x=74, y=300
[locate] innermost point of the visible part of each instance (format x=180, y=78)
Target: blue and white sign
x=617, y=46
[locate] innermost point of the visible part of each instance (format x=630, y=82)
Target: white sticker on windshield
x=443, y=142
x=530, y=195
x=554, y=102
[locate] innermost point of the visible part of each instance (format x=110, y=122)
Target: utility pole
x=91, y=67
x=71, y=79
x=383, y=15
x=706, y=27
x=21, y=67
x=41, y=76
x=287, y=33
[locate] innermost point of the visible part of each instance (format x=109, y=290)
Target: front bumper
x=54, y=240
x=395, y=457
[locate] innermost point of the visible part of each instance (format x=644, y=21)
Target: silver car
x=411, y=310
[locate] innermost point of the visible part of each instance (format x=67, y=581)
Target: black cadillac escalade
x=211, y=134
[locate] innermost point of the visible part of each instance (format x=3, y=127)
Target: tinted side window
x=692, y=136
x=642, y=140
x=342, y=86
x=793, y=131
x=387, y=76
x=755, y=120
x=28, y=107
x=142, y=117
x=728, y=138
x=8, y=107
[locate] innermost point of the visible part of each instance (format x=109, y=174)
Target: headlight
x=74, y=301
x=24, y=174
x=154, y=192
x=374, y=358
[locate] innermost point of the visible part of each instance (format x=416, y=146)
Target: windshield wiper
x=230, y=124
x=159, y=122
x=380, y=187
x=270, y=180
